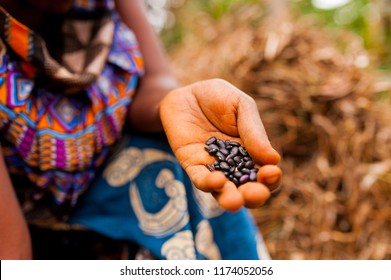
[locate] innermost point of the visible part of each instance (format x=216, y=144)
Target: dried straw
x=323, y=113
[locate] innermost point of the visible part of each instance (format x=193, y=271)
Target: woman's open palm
x=192, y=114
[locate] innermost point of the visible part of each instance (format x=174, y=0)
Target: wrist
x=144, y=112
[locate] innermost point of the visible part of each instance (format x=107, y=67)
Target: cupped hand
x=192, y=114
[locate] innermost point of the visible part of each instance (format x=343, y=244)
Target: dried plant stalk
x=322, y=112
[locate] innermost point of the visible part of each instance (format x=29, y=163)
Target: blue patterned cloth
x=143, y=195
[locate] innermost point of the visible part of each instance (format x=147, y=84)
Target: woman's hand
x=192, y=114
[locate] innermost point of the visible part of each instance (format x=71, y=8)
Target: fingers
x=232, y=198
x=270, y=176
x=224, y=191
x=253, y=134
x=254, y=194
x=250, y=195
x=207, y=181
x=229, y=198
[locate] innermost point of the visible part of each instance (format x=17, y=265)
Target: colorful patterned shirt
x=60, y=117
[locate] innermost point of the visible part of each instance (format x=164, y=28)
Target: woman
x=73, y=87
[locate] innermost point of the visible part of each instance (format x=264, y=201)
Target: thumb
x=253, y=133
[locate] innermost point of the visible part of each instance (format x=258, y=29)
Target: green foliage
x=193, y=14
x=351, y=15
x=366, y=18
x=217, y=8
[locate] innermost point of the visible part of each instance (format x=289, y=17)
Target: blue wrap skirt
x=143, y=195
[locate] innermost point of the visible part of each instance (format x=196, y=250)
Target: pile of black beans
x=232, y=159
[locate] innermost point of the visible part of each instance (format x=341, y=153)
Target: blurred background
x=320, y=72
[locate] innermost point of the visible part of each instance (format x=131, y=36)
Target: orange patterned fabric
x=58, y=119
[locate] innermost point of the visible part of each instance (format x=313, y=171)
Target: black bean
x=224, y=165
x=243, y=151
x=241, y=165
x=238, y=159
x=220, y=156
x=228, y=157
x=210, y=167
x=236, y=181
x=253, y=176
x=249, y=164
x=211, y=140
x=244, y=179
x=234, y=143
x=230, y=161
x=238, y=174
x=245, y=170
x=213, y=146
x=220, y=143
x=232, y=169
x=234, y=151
x=224, y=151
x=213, y=151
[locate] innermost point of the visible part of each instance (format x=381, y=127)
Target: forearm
x=144, y=110
x=134, y=15
x=14, y=235
x=157, y=80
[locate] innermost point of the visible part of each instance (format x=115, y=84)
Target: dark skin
x=188, y=115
